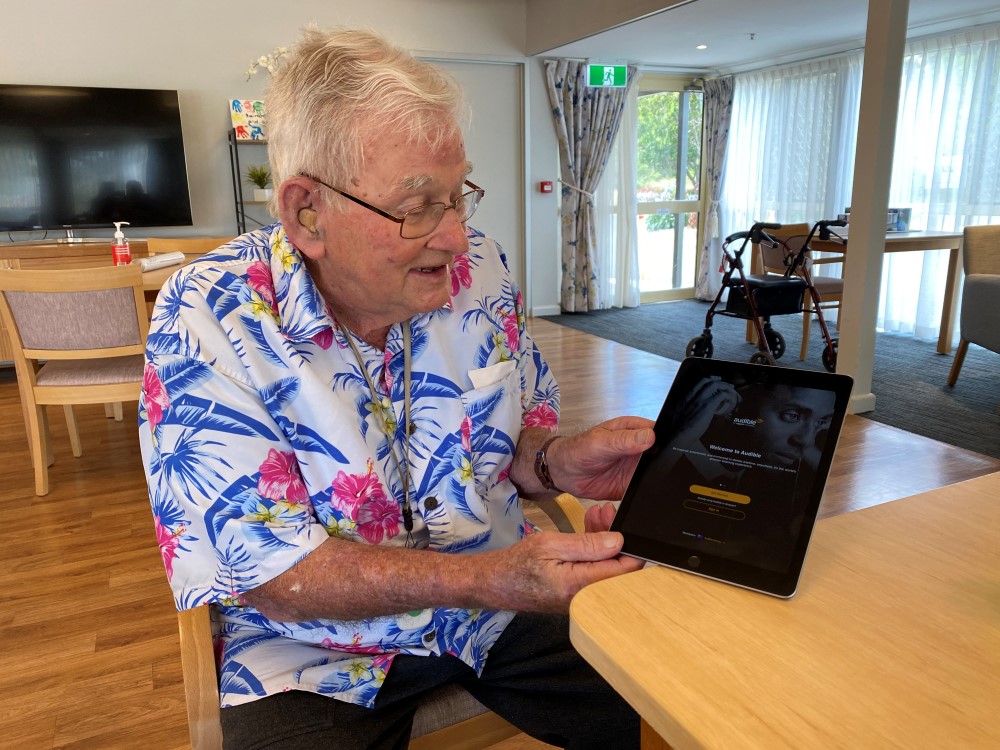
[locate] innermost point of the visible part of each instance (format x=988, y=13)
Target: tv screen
x=74, y=157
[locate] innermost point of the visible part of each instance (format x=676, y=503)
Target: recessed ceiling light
x=702, y=46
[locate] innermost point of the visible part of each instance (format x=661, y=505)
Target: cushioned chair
x=449, y=719
x=77, y=337
x=830, y=288
x=980, y=317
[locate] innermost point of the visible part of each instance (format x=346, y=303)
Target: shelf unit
x=239, y=203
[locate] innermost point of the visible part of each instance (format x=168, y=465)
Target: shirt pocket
x=492, y=424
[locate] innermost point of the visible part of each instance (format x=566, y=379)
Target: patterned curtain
x=718, y=113
x=586, y=121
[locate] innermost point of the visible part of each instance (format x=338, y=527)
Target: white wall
x=202, y=49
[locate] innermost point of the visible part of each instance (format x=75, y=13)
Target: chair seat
x=447, y=705
x=108, y=371
x=827, y=285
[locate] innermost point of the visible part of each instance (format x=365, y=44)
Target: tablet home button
x=694, y=561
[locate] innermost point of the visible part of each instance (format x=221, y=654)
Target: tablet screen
x=731, y=487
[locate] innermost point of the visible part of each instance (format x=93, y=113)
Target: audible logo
x=747, y=422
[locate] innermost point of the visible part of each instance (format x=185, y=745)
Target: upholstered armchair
x=980, y=315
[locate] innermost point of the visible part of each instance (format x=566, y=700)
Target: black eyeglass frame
x=401, y=220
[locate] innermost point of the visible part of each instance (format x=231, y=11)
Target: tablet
x=731, y=486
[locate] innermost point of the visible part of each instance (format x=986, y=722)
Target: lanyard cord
x=403, y=468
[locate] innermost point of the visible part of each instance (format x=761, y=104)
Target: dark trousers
x=533, y=678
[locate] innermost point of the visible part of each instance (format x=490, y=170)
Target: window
x=668, y=186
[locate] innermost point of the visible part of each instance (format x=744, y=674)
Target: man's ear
x=298, y=210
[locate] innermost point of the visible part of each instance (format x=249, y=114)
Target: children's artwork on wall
x=248, y=119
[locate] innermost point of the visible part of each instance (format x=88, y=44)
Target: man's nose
x=449, y=234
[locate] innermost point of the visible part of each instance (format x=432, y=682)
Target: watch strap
x=542, y=465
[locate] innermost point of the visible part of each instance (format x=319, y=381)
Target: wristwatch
x=542, y=465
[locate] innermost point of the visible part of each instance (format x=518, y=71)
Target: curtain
x=615, y=209
x=946, y=165
x=792, y=140
x=791, y=155
x=718, y=110
x=586, y=121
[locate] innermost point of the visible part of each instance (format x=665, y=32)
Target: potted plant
x=260, y=175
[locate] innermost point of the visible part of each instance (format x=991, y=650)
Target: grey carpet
x=909, y=378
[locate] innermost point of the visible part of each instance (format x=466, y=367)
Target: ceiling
x=743, y=35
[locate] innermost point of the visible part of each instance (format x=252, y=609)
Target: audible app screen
x=735, y=467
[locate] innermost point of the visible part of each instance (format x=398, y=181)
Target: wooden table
x=905, y=242
x=153, y=281
x=893, y=639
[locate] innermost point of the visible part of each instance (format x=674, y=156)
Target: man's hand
x=598, y=463
x=543, y=571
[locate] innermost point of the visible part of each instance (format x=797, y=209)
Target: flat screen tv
x=76, y=158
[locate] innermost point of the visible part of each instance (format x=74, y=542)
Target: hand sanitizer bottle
x=120, y=251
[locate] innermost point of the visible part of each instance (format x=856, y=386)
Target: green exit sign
x=610, y=76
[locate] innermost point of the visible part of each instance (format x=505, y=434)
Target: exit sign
x=610, y=76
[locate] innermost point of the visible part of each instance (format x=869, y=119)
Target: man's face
x=793, y=418
x=369, y=275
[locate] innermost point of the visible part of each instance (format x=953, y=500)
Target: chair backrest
x=186, y=245
x=88, y=313
x=791, y=238
x=981, y=249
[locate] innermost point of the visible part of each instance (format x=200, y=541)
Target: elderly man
x=340, y=413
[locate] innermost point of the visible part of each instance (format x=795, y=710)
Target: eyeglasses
x=420, y=221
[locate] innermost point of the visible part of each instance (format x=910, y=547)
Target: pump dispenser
x=120, y=251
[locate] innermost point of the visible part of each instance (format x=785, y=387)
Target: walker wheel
x=699, y=346
x=830, y=356
x=775, y=342
x=762, y=358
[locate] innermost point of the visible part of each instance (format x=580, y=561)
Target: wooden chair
x=186, y=245
x=979, y=320
x=450, y=718
x=830, y=288
x=77, y=338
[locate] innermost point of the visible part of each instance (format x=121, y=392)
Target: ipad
x=731, y=486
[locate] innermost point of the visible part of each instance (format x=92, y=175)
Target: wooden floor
x=90, y=649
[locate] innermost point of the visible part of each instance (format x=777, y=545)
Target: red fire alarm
x=545, y=186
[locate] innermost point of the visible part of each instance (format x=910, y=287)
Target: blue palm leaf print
x=224, y=296
x=441, y=464
x=202, y=414
x=190, y=466
x=183, y=375
x=166, y=508
x=229, y=505
x=280, y=393
x=305, y=438
x=256, y=331
x=236, y=679
x=262, y=533
x=480, y=410
x=492, y=440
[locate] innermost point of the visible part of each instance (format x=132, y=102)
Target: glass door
x=668, y=187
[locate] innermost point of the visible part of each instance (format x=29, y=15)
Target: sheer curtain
x=946, y=165
x=615, y=211
x=792, y=142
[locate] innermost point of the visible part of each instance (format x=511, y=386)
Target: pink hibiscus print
x=466, y=429
x=259, y=279
x=324, y=338
x=280, y=478
x=351, y=491
x=378, y=519
x=157, y=398
x=510, y=329
x=169, y=541
x=460, y=273
x=542, y=415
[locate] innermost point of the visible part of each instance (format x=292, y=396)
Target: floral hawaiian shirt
x=261, y=439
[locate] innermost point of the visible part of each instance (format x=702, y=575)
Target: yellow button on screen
x=733, y=497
